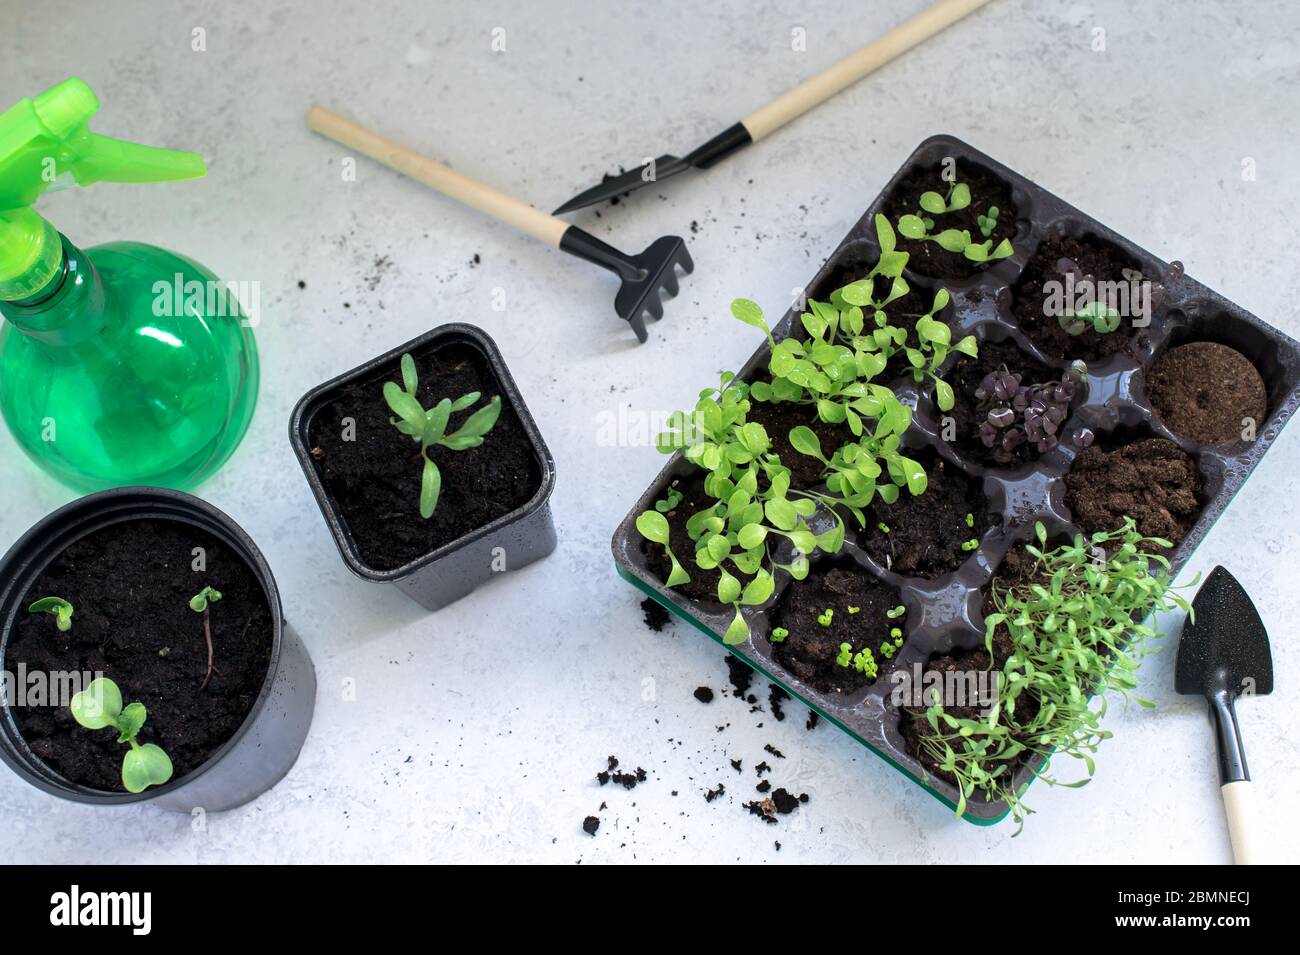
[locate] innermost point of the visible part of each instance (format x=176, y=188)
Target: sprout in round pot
x=125, y=679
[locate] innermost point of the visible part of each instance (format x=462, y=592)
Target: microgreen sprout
x=201, y=603
x=56, y=607
x=883, y=527
x=99, y=706
x=428, y=427
x=864, y=661
x=779, y=634
x=890, y=647
x=893, y=613
x=1014, y=414
x=669, y=501
x=845, y=655
x=825, y=618
x=972, y=544
x=855, y=610
x=987, y=223
x=1076, y=629
x=970, y=520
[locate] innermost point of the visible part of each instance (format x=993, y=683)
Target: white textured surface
x=478, y=730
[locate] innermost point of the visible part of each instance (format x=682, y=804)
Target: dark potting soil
x=704, y=694
x=986, y=189
x=779, y=419
x=810, y=649
x=703, y=585
x=1031, y=293
x=130, y=585
x=967, y=417
x=375, y=478
x=1207, y=392
x=927, y=531
x=1150, y=480
x=654, y=615
x=740, y=674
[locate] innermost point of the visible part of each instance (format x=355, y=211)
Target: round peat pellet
x=1208, y=393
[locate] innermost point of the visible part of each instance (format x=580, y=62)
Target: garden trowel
x=1224, y=654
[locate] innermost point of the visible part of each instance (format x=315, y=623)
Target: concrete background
x=476, y=731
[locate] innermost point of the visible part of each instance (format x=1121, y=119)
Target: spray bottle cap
x=45, y=142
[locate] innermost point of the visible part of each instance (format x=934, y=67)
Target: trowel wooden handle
x=816, y=90
x=434, y=174
x=1243, y=823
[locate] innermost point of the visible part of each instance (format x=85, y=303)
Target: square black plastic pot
x=453, y=570
x=267, y=743
x=944, y=613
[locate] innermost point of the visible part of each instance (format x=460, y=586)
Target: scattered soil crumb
x=781, y=802
x=713, y=794
x=775, y=697
x=704, y=694
x=740, y=674
x=656, y=617
x=590, y=825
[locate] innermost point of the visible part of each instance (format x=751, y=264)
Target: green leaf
x=130, y=721
x=430, y=488
x=58, y=608
x=145, y=766
x=480, y=422
x=403, y=405
x=943, y=395
x=960, y=197
x=435, y=422
x=653, y=526
x=933, y=203
x=953, y=240
x=410, y=381
x=758, y=590
x=98, y=705
x=911, y=227
x=804, y=440
x=465, y=401
x=749, y=313
x=738, y=632
x=884, y=236
x=199, y=602
x=728, y=588
x=781, y=513
x=678, y=575
x=751, y=536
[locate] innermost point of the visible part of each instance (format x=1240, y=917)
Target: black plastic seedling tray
x=944, y=613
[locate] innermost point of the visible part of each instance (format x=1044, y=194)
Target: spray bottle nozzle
x=43, y=139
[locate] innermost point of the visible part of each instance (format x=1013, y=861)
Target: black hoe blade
x=1226, y=648
x=644, y=276
x=630, y=181
x=719, y=147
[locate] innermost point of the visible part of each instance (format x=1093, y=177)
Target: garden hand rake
x=644, y=276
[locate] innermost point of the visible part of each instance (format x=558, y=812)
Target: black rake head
x=647, y=278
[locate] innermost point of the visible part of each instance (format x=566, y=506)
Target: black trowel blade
x=1226, y=646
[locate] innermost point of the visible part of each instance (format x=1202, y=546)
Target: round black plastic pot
x=266, y=744
x=452, y=571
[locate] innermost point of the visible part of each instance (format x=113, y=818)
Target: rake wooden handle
x=455, y=185
x=817, y=89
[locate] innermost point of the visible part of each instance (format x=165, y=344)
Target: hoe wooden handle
x=817, y=89
x=434, y=174
x=1248, y=839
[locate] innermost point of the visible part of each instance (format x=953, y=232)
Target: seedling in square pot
x=428, y=427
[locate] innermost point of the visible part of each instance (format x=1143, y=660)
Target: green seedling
x=893, y=613
x=99, y=706
x=845, y=656
x=970, y=520
x=970, y=545
x=1076, y=629
x=56, y=607
x=987, y=223
x=958, y=198
x=890, y=647
x=669, y=501
x=855, y=610
x=825, y=617
x=428, y=427
x=201, y=603
x=883, y=527
x=1099, y=317
x=779, y=634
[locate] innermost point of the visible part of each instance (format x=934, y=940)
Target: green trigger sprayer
x=123, y=363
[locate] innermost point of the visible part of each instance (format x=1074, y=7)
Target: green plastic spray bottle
x=123, y=363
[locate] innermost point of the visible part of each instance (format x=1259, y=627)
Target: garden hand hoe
x=643, y=275
x=790, y=105
x=1224, y=653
